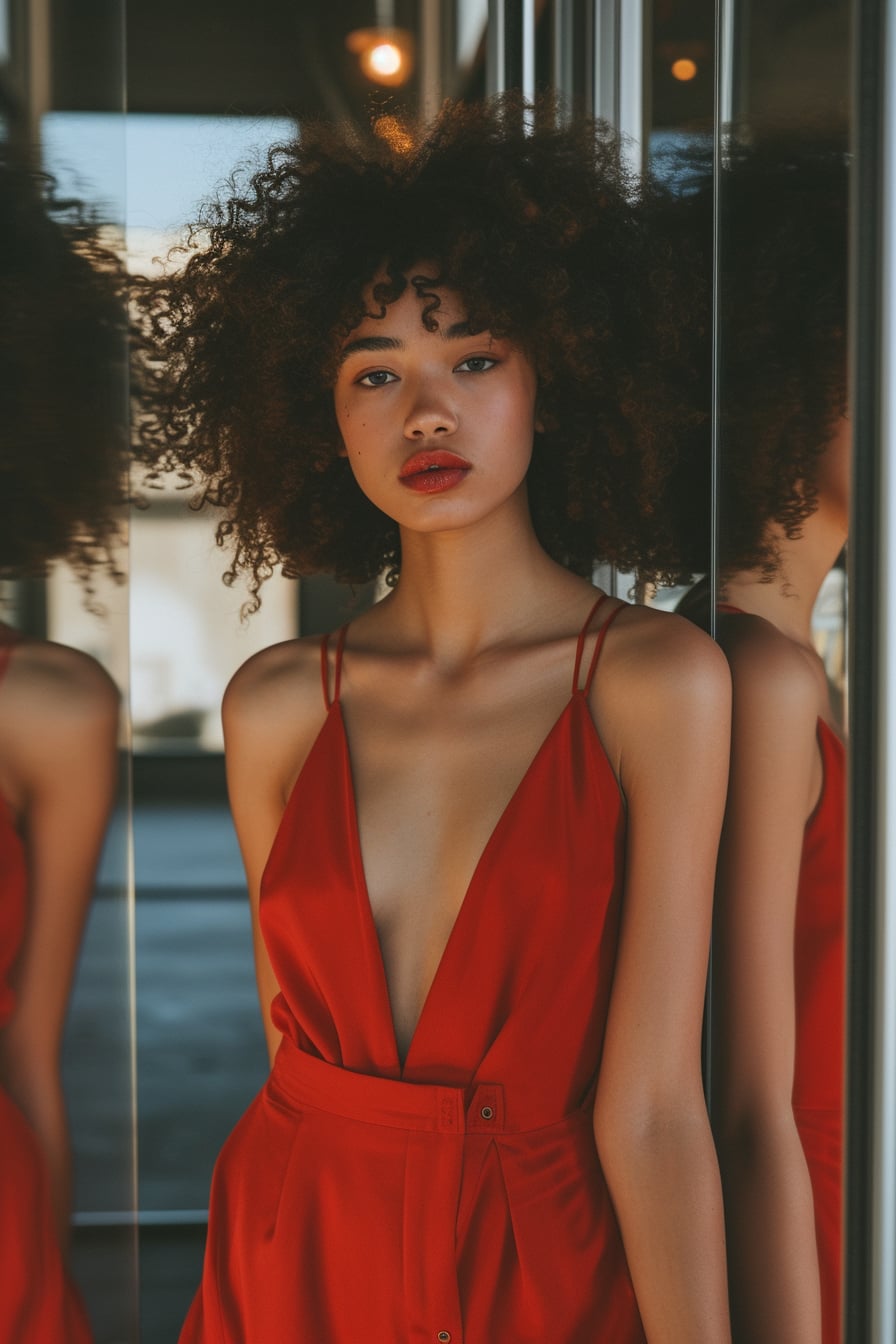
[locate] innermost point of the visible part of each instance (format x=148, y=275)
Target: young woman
x=779, y=945
x=61, y=461
x=479, y=824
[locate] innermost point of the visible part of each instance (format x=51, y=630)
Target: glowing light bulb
x=385, y=59
x=386, y=55
x=684, y=69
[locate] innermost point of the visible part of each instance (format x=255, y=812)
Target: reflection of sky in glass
x=85, y=152
x=153, y=169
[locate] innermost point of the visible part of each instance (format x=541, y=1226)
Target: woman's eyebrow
x=374, y=343
x=455, y=332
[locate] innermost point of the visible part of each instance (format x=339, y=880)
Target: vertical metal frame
x=621, y=40
x=563, y=47
x=870, y=1215
x=725, y=64
x=510, y=47
x=430, y=58
x=613, y=37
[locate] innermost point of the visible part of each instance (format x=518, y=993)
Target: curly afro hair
x=782, y=314
x=538, y=227
x=63, y=380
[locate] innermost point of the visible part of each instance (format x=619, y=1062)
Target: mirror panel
x=197, y=1016
x=64, y=611
x=784, y=468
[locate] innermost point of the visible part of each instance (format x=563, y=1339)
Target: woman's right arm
x=773, y=1260
x=272, y=710
x=60, y=742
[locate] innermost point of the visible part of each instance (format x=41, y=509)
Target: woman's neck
x=464, y=590
x=789, y=598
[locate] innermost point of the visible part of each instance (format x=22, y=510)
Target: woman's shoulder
x=659, y=652
x=284, y=672
x=276, y=698
x=662, y=691
x=56, y=683
x=59, y=713
x=769, y=669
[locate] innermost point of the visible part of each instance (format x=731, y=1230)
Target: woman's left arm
x=662, y=703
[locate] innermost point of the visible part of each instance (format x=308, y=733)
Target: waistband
x=307, y=1081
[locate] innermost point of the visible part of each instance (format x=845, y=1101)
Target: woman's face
x=437, y=425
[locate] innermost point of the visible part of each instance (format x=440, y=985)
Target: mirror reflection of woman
x=60, y=462
x=479, y=823
x=778, y=950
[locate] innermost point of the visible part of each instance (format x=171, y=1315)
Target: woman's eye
x=477, y=364
x=377, y=378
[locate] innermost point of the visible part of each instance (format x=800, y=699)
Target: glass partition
x=780, y=207
x=64, y=738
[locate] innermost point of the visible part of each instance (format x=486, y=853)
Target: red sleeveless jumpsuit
x=457, y=1199
x=38, y=1305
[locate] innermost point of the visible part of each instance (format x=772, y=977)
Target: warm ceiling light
x=385, y=59
x=684, y=69
x=386, y=55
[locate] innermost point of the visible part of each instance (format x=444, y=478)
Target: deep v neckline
x=467, y=901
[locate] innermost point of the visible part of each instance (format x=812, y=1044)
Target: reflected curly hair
x=63, y=370
x=783, y=280
x=539, y=229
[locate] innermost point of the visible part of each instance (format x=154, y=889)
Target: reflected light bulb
x=684, y=69
x=385, y=59
x=386, y=55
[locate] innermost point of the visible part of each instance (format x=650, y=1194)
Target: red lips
x=432, y=470
x=432, y=459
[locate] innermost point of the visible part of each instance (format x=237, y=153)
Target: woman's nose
x=431, y=415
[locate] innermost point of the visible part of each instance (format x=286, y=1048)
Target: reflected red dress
x=38, y=1305
x=820, y=999
x=458, y=1198
x=820, y=994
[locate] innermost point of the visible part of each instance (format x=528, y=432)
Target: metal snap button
x=487, y=1112
x=444, y=1337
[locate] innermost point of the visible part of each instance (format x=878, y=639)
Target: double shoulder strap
x=598, y=644
x=580, y=649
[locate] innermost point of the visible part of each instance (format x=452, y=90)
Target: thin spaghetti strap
x=598, y=645
x=325, y=666
x=340, y=646
x=580, y=646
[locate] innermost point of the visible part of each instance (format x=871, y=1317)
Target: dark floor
x=200, y=1058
